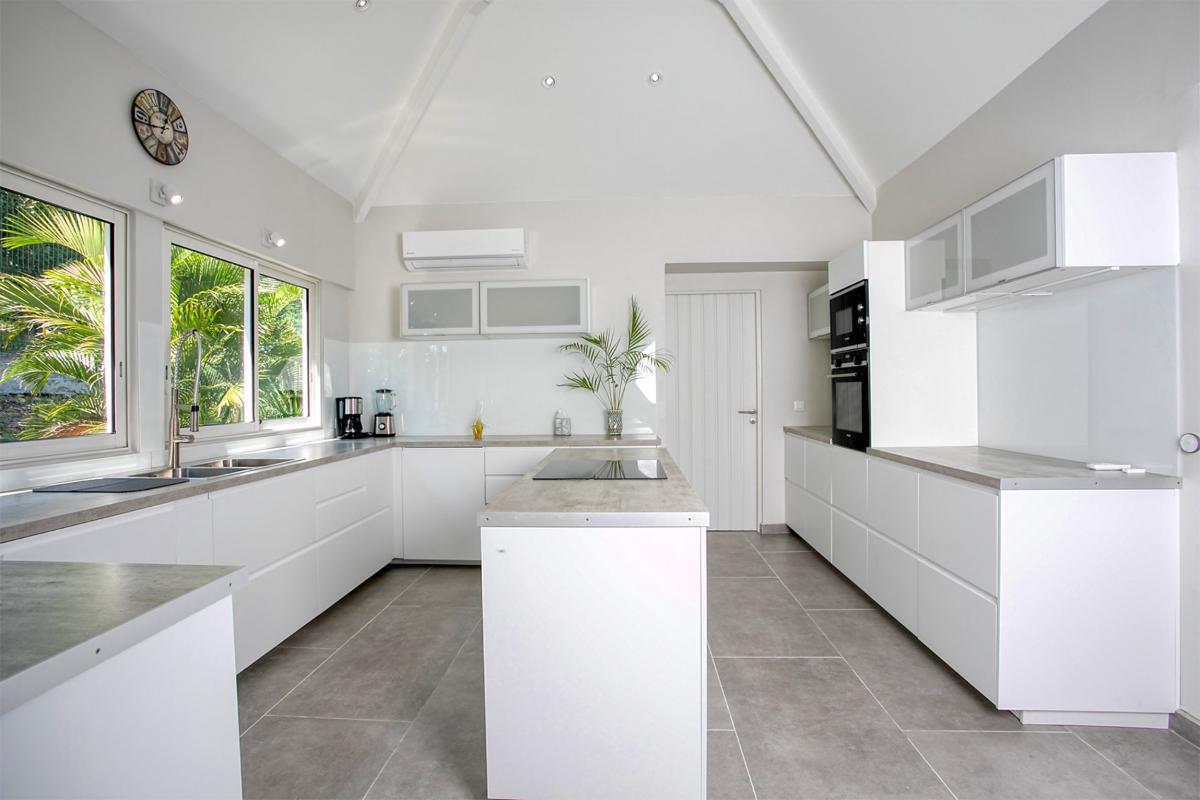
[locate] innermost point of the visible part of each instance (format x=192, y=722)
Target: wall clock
x=160, y=127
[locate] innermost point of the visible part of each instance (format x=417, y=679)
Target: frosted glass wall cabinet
x=818, y=313
x=1073, y=220
x=440, y=309
x=519, y=307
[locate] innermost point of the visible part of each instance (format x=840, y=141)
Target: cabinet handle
x=501, y=550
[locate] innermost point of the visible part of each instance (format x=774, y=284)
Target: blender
x=385, y=401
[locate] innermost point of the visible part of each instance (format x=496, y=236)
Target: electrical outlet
x=797, y=405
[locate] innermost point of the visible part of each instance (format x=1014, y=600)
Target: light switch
x=797, y=405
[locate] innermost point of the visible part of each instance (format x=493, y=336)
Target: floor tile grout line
x=1185, y=740
x=782, y=658
x=413, y=724
x=1121, y=769
x=737, y=737
x=854, y=672
x=341, y=719
x=335, y=651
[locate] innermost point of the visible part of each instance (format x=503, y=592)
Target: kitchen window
x=62, y=322
x=256, y=335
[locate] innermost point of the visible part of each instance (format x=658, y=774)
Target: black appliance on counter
x=349, y=411
x=849, y=354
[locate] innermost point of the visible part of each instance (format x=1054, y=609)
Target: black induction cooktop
x=587, y=469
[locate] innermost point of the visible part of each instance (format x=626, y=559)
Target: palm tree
x=62, y=314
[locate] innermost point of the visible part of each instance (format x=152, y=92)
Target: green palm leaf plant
x=613, y=362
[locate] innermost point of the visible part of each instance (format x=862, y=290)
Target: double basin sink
x=216, y=469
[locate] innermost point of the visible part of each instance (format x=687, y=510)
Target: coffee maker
x=385, y=401
x=349, y=418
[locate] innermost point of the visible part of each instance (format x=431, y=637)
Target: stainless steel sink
x=247, y=463
x=192, y=472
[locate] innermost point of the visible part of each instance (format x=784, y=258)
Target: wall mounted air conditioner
x=495, y=248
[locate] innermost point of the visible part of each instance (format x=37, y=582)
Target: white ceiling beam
x=758, y=33
x=437, y=66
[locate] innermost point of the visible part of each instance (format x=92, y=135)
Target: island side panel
x=594, y=662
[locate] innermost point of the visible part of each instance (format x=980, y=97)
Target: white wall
x=67, y=89
x=793, y=366
x=1126, y=80
x=65, y=96
x=620, y=245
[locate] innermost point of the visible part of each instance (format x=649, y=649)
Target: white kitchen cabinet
x=818, y=468
x=793, y=459
x=260, y=523
x=274, y=603
x=818, y=312
x=849, y=481
x=173, y=533
x=513, y=460
x=892, y=579
x=959, y=529
x=892, y=501
x=793, y=507
x=959, y=624
x=439, y=309
x=818, y=525
x=353, y=554
x=849, y=268
x=443, y=491
x=532, y=307
x=933, y=264
x=1076, y=217
x=849, y=548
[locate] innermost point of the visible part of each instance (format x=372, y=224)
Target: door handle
x=755, y=411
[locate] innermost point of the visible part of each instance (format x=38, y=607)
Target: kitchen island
x=594, y=624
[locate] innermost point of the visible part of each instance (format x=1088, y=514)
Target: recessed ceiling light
x=362, y=5
x=549, y=82
x=655, y=78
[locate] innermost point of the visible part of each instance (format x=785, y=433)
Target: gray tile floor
x=813, y=693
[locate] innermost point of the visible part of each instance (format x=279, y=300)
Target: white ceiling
x=322, y=84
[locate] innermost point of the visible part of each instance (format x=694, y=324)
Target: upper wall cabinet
x=495, y=308
x=818, y=313
x=933, y=264
x=530, y=307
x=440, y=309
x=1073, y=220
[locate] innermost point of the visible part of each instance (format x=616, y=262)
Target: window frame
x=255, y=265
x=117, y=377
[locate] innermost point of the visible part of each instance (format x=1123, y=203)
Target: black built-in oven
x=850, y=366
x=849, y=323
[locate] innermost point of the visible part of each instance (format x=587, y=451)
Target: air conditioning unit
x=495, y=248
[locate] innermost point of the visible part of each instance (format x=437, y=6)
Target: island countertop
x=669, y=503
x=61, y=619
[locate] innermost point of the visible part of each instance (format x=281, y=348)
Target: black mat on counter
x=112, y=485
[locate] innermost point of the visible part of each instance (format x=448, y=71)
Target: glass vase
x=614, y=422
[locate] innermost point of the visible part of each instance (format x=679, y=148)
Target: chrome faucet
x=174, y=436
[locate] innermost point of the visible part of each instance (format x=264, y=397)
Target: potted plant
x=613, y=365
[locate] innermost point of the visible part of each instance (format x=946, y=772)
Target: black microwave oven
x=849, y=319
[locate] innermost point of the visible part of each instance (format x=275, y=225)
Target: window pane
x=209, y=295
x=282, y=349
x=55, y=328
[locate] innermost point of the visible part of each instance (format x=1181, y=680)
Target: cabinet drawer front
x=443, y=491
x=817, y=469
x=140, y=537
x=892, y=501
x=493, y=485
x=849, y=489
x=363, y=489
x=958, y=530
x=892, y=579
x=513, y=460
x=818, y=525
x=959, y=624
x=263, y=522
x=793, y=459
x=273, y=604
x=350, y=557
x=850, y=548
x=794, y=507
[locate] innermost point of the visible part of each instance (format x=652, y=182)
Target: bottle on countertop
x=562, y=423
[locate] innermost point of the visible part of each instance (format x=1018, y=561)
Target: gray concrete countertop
x=28, y=513
x=1003, y=469
x=669, y=503
x=61, y=619
x=820, y=433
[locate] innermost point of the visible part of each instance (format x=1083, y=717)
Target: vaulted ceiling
x=406, y=103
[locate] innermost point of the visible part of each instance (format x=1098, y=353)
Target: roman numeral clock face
x=160, y=127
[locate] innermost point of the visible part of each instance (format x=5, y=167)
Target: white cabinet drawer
x=892, y=578
x=817, y=468
x=793, y=507
x=262, y=522
x=443, y=491
x=493, y=485
x=849, y=548
x=850, y=482
x=892, y=501
x=959, y=624
x=274, y=604
x=512, y=460
x=793, y=459
x=349, y=557
x=958, y=530
x=818, y=524
x=350, y=491
x=150, y=536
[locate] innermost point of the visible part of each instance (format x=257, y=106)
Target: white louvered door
x=706, y=400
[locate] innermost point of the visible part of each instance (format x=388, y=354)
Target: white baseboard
x=1105, y=719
